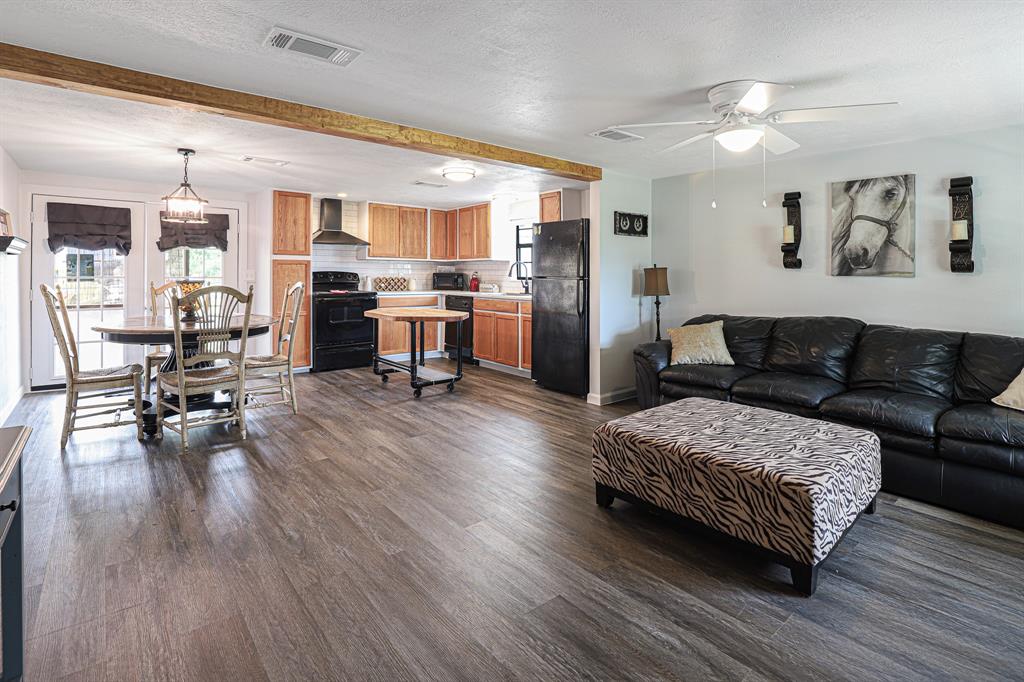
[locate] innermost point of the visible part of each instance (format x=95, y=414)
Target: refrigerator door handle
x=579, y=258
x=579, y=290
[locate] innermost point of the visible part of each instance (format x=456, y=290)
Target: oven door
x=339, y=321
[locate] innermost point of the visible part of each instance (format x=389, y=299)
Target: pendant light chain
x=764, y=175
x=714, y=176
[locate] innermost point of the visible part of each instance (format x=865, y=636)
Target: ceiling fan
x=743, y=117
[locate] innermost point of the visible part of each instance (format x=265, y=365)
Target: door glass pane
x=195, y=265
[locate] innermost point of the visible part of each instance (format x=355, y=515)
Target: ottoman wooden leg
x=805, y=578
x=605, y=496
x=870, y=509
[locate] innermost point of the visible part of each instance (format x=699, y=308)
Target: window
x=184, y=263
x=93, y=284
x=524, y=251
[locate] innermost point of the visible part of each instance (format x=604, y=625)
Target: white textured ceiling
x=541, y=74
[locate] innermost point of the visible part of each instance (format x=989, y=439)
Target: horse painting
x=873, y=227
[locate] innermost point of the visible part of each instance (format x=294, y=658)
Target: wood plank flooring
x=456, y=537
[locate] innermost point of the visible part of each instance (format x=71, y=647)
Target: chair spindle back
x=214, y=307
x=290, y=307
x=62, y=329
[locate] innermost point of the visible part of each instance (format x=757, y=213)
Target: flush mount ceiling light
x=183, y=205
x=458, y=173
x=342, y=194
x=739, y=138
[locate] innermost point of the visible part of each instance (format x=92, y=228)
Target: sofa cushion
x=780, y=387
x=904, y=412
x=988, y=363
x=817, y=346
x=1004, y=458
x=699, y=344
x=746, y=337
x=920, y=361
x=680, y=391
x=984, y=422
x=712, y=376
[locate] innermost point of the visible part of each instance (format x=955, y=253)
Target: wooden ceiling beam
x=34, y=66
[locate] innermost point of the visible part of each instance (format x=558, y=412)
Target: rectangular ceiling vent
x=615, y=135
x=248, y=158
x=425, y=183
x=319, y=48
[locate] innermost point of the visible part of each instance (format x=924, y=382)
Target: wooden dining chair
x=90, y=384
x=275, y=373
x=159, y=303
x=198, y=370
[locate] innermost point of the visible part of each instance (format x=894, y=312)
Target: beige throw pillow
x=1013, y=396
x=700, y=344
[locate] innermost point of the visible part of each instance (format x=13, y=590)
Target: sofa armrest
x=650, y=359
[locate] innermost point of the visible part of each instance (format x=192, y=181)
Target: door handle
x=579, y=290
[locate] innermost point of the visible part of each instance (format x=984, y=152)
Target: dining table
x=158, y=330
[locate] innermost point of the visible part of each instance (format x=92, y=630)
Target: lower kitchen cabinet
x=526, y=324
x=393, y=337
x=483, y=335
x=506, y=339
x=283, y=274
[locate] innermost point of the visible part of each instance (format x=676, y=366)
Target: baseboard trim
x=6, y=410
x=517, y=371
x=611, y=397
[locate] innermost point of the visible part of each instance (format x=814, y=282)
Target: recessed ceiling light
x=458, y=173
x=342, y=194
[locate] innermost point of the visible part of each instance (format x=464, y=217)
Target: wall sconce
x=961, y=245
x=791, y=232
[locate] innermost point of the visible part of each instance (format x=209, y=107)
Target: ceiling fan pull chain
x=714, y=178
x=764, y=175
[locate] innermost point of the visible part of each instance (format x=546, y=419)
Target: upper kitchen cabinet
x=452, y=235
x=561, y=204
x=385, y=241
x=412, y=232
x=292, y=220
x=474, y=232
x=444, y=235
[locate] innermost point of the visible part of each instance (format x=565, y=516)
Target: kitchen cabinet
x=439, y=235
x=466, y=233
x=393, y=337
x=474, y=232
x=284, y=273
x=483, y=335
x=412, y=232
x=561, y=204
x=453, y=235
x=526, y=336
x=384, y=231
x=550, y=207
x=292, y=221
x=506, y=339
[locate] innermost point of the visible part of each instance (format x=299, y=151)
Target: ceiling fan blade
x=776, y=142
x=689, y=140
x=840, y=113
x=760, y=96
x=665, y=123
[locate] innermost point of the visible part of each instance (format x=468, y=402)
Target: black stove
x=342, y=334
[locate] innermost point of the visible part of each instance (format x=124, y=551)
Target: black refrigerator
x=561, y=306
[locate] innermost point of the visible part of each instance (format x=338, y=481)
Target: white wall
x=728, y=260
x=620, y=318
x=10, y=300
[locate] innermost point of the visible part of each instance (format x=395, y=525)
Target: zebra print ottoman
x=787, y=484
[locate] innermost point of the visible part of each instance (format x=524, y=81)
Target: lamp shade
x=656, y=281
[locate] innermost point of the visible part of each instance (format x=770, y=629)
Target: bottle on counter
x=474, y=282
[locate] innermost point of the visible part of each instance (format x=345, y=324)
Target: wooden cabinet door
x=283, y=274
x=483, y=335
x=292, y=220
x=453, y=235
x=467, y=234
x=412, y=232
x=482, y=231
x=506, y=339
x=439, y=235
x=392, y=337
x=384, y=231
x=550, y=207
x=527, y=341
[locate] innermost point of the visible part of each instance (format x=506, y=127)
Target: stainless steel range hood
x=330, y=226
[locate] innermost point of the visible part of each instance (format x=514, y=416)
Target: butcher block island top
x=416, y=314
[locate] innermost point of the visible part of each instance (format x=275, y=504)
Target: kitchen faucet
x=526, y=280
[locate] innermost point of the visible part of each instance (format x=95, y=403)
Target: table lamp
x=656, y=285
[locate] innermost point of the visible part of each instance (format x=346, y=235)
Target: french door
x=98, y=286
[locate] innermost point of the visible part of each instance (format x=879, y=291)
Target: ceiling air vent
x=425, y=183
x=615, y=135
x=319, y=48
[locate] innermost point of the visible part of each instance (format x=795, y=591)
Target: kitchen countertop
x=474, y=294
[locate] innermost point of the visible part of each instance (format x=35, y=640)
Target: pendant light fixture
x=183, y=205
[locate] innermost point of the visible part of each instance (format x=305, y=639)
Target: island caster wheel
x=417, y=393
x=451, y=386
x=384, y=378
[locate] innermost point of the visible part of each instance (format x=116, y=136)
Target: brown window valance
x=213, y=233
x=92, y=228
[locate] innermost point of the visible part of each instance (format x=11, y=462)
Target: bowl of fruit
x=188, y=311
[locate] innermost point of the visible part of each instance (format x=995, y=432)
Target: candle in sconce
x=788, y=234
x=960, y=230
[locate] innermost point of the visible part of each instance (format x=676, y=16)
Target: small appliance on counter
x=449, y=281
x=342, y=335
x=474, y=282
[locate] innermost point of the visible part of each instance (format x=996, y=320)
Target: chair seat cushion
x=783, y=387
x=901, y=412
x=712, y=376
x=984, y=422
x=201, y=377
x=108, y=374
x=258, y=361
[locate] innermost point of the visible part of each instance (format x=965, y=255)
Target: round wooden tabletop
x=148, y=329
x=417, y=314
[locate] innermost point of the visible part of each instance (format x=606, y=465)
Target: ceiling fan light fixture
x=458, y=173
x=739, y=138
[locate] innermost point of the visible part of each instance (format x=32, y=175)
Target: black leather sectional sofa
x=927, y=394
